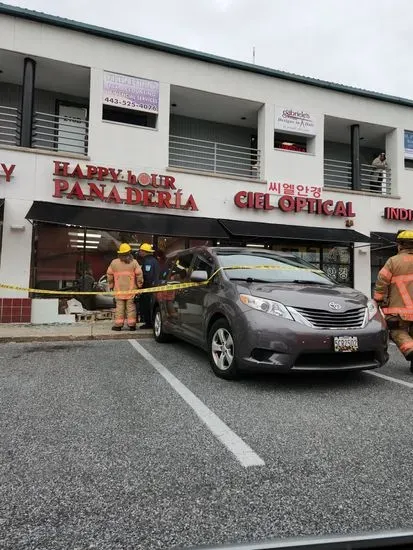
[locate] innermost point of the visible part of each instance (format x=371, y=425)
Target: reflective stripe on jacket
x=394, y=286
x=124, y=276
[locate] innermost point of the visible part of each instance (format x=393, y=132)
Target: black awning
x=124, y=220
x=253, y=230
x=383, y=238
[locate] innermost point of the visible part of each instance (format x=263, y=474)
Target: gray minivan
x=273, y=312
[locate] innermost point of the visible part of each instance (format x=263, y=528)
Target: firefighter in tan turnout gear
x=394, y=294
x=125, y=275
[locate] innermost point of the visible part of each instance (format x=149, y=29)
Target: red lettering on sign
x=77, y=173
x=115, y=174
x=102, y=172
x=191, y=204
x=8, y=171
x=349, y=210
x=286, y=204
x=403, y=214
x=326, y=206
x=95, y=191
x=59, y=187
x=300, y=204
x=340, y=209
x=239, y=199
x=61, y=168
x=133, y=196
x=131, y=178
x=76, y=192
x=147, y=197
x=259, y=201
x=91, y=171
x=267, y=204
x=311, y=205
x=114, y=196
x=169, y=182
x=164, y=199
x=144, y=179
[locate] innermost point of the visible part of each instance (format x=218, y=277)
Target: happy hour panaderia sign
x=129, y=92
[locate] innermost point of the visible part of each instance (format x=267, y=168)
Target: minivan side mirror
x=199, y=276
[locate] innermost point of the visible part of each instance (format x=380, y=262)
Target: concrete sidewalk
x=99, y=330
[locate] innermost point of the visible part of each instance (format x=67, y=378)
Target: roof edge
x=102, y=32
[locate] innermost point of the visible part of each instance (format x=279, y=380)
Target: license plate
x=346, y=343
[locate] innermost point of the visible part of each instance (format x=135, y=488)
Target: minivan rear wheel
x=221, y=349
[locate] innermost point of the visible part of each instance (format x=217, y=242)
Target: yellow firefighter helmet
x=124, y=249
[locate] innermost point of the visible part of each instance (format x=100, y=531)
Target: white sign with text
x=294, y=121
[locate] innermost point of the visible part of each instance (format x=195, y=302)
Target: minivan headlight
x=371, y=309
x=266, y=306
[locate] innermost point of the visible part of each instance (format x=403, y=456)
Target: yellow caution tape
x=163, y=288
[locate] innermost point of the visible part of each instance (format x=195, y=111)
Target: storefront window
x=310, y=254
x=168, y=245
x=199, y=242
x=334, y=260
x=63, y=254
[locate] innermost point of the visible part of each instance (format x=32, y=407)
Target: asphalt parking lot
x=121, y=445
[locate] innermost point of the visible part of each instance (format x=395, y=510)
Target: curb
x=74, y=338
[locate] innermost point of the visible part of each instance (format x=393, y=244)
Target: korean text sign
x=129, y=92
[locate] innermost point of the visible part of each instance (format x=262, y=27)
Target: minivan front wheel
x=158, y=333
x=221, y=349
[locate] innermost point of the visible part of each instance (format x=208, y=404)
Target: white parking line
x=390, y=378
x=242, y=452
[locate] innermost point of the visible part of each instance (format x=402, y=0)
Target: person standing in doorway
x=394, y=294
x=150, y=270
x=125, y=276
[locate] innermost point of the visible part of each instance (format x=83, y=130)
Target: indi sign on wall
x=294, y=121
x=129, y=92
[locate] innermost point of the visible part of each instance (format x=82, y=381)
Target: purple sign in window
x=129, y=92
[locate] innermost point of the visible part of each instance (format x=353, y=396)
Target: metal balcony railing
x=337, y=175
x=375, y=181
x=216, y=158
x=60, y=133
x=10, y=122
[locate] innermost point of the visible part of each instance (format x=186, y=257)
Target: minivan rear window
x=289, y=269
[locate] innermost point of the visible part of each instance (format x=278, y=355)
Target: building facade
x=106, y=137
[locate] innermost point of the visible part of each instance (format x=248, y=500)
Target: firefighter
x=394, y=294
x=150, y=271
x=125, y=275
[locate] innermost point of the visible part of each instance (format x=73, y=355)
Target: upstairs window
x=290, y=142
x=130, y=100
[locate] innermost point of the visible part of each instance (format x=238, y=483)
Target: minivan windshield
x=288, y=269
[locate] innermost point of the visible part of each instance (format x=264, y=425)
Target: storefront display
x=336, y=261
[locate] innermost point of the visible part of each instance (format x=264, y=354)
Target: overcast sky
x=362, y=43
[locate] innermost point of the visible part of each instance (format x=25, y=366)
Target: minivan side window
x=181, y=268
x=201, y=264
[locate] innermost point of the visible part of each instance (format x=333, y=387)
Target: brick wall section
x=15, y=310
